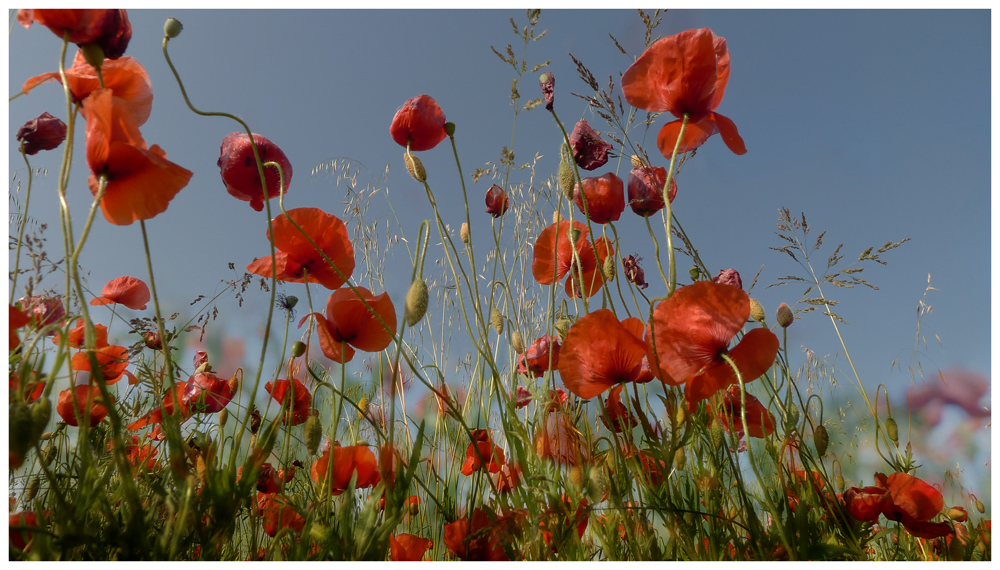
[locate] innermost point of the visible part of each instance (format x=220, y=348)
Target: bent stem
x=668, y=210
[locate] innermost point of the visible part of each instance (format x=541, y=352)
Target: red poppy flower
x=278, y=514
x=349, y=324
x=111, y=360
x=553, y=257
x=496, y=201
x=617, y=416
x=202, y=393
x=692, y=329
x=108, y=28
x=141, y=457
x=297, y=260
x=645, y=189
x=19, y=539
x=473, y=538
x=300, y=400
x=33, y=388
x=77, y=397
x=43, y=310
x=346, y=462
x=76, y=335
x=729, y=277
x=44, y=132
x=239, y=169
x=482, y=454
x=589, y=150
x=140, y=181
x=15, y=320
x=605, y=198
x=759, y=420
x=653, y=469
x=408, y=547
x=599, y=352
x=900, y=497
x=507, y=477
x=559, y=440
x=684, y=74
x=419, y=123
x=125, y=77
x=535, y=360
x=125, y=290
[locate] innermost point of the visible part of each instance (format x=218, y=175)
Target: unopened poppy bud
x=234, y=383
x=792, y=419
x=363, y=405
x=32, y=489
x=48, y=454
x=892, y=430
x=449, y=128
x=636, y=161
x=93, y=54
x=784, y=315
x=562, y=327
x=496, y=320
x=822, y=440
x=576, y=476
x=223, y=417
x=172, y=28
x=609, y=268
x=255, y=420
x=694, y=272
x=414, y=506
x=718, y=439
x=679, y=458
x=516, y=342
x=416, y=302
x=556, y=218
x=313, y=432
x=756, y=310
x=957, y=514
x=567, y=179
x=980, y=507
x=464, y=233
x=415, y=167
x=298, y=349
x=840, y=483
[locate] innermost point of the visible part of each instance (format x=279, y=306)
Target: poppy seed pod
x=416, y=302
x=298, y=349
x=496, y=319
x=415, y=167
x=93, y=54
x=464, y=233
x=694, y=272
x=313, y=433
x=784, y=315
x=172, y=27
x=756, y=310
x=516, y=342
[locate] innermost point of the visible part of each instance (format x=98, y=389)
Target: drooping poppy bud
x=44, y=132
x=589, y=150
x=419, y=123
x=548, y=84
x=464, y=233
x=605, y=198
x=239, y=169
x=496, y=320
x=516, y=342
x=496, y=201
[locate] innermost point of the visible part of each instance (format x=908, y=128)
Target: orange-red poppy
x=558, y=439
x=473, y=538
x=408, y=547
x=645, y=189
x=507, y=477
x=109, y=29
x=111, y=361
x=124, y=290
x=76, y=398
x=553, y=257
x=685, y=74
x=202, y=393
x=900, y=497
x=692, y=330
x=537, y=359
x=76, y=335
x=760, y=421
x=346, y=462
x=239, y=169
x=605, y=197
x=349, y=325
x=297, y=260
x=141, y=182
x=496, y=201
x=141, y=457
x=419, y=123
x=44, y=132
x=15, y=320
x=277, y=514
x=653, y=469
x=298, y=396
x=19, y=538
x=599, y=352
x=482, y=454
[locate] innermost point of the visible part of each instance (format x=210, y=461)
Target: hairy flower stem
x=668, y=210
x=20, y=231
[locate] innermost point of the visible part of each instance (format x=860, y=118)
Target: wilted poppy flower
x=346, y=462
x=111, y=360
x=44, y=132
x=522, y=397
x=617, y=416
x=239, y=169
x=605, y=198
x=684, y=74
x=349, y=325
x=296, y=259
x=77, y=397
x=482, y=454
x=645, y=189
x=558, y=439
x=508, y=477
x=760, y=421
x=278, y=514
x=419, y=123
x=547, y=81
x=15, y=320
x=692, y=329
x=729, y=277
x=141, y=182
x=553, y=257
x=408, y=547
x=299, y=399
x=589, y=150
x=496, y=201
x=473, y=538
x=903, y=498
x=634, y=273
x=43, y=310
x=125, y=290
x=536, y=360
x=599, y=352
x=108, y=28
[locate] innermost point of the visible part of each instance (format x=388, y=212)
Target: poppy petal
x=330, y=235
x=334, y=349
x=914, y=497
x=141, y=183
x=695, y=135
x=730, y=135
x=598, y=353
x=553, y=252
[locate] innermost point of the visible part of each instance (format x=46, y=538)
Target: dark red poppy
x=125, y=290
x=634, y=273
x=346, y=462
x=900, y=497
x=599, y=352
x=77, y=397
x=15, y=320
x=557, y=439
x=521, y=396
x=645, y=189
x=349, y=325
x=408, y=547
x=297, y=260
x=605, y=198
x=653, y=469
x=507, y=478
x=108, y=28
x=685, y=74
x=760, y=421
x=239, y=169
x=43, y=310
x=617, y=416
x=44, y=132
x=553, y=257
x=692, y=330
x=111, y=360
x=473, y=538
x=298, y=397
x=141, y=182
x=419, y=123
x=589, y=150
x=536, y=360
x=482, y=454
x=496, y=201
x=278, y=514
x=729, y=277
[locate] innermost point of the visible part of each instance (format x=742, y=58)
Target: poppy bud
x=784, y=315
x=414, y=508
x=44, y=132
x=48, y=454
x=679, y=458
x=223, y=417
x=567, y=179
x=694, y=272
x=415, y=167
x=547, y=81
x=255, y=420
x=449, y=128
x=363, y=405
x=756, y=310
x=298, y=349
x=416, y=302
x=313, y=432
x=93, y=54
x=718, y=439
x=496, y=319
x=172, y=27
x=41, y=412
x=576, y=476
x=792, y=419
x=464, y=233
x=892, y=430
x=562, y=327
x=32, y=489
x=822, y=440
x=609, y=269
x=516, y=342
x=980, y=507
x=957, y=514
x=234, y=383
x=840, y=482
x=556, y=218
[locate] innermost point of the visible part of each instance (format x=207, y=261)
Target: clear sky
x=875, y=124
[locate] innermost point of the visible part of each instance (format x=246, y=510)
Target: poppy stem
x=20, y=231
x=668, y=210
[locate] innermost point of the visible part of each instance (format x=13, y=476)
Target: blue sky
x=873, y=123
